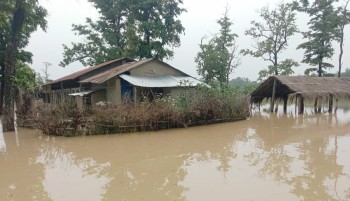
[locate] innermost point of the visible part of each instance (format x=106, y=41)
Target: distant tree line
x=271, y=35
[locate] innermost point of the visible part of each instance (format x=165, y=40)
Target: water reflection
x=269, y=157
x=2, y=141
x=304, y=157
x=69, y=178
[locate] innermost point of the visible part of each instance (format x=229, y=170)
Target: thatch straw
x=308, y=87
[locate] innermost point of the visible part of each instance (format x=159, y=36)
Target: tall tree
x=24, y=18
x=219, y=56
x=271, y=36
x=10, y=60
x=323, y=30
x=344, y=19
x=34, y=17
x=133, y=28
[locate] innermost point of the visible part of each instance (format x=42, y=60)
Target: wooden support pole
x=301, y=105
x=273, y=94
x=319, y=104
x=296, y=104
x=330, y=106
x=336, y=105
x=315, y=104
x=285, y=103
x=135, y=95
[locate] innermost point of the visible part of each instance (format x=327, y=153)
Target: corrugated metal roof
x=84, y=71
x=161, y=81
x=102, y=77
x=83, y=93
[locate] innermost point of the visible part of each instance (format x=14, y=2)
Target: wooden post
x=315, y=104
x=296, y=104
x=301, y=104
x=135, y=95
x=336, y=105
x=330, y=108
x=319, y=104
x=273, y=95
x=285, y=103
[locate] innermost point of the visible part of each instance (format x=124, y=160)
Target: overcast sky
x=199, y=20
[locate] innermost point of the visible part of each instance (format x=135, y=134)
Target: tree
x=133, y=28
x=344, y=17
x=323, y=30
x=24, y=18
x=272, y=35
x=25, y=77
x=217, y=58
x=346, y=73
x=46, y=74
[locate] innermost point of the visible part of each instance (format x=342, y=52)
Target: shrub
x=61, y=119
x=198, y=106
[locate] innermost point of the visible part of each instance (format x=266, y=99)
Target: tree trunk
x=275, y=64
x=2, y=87
x=341, y=43
x=341, y=50
x=320, y=69
x=320, y=62
x=10, y=62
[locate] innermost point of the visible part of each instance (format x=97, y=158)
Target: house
x=300, y=88
x=120, y=79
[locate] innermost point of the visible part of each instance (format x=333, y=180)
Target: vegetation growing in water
x=199, y=106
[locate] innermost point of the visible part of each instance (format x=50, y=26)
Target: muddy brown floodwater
x=268, y=157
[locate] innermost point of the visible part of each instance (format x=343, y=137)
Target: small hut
x=301, y=88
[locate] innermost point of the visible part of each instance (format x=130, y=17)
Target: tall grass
x=198, y=106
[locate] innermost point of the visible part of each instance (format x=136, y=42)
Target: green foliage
x=132, y=28
x=219, y=56
x=323, y=25
x=285, y=67
x=272, y=35
x=346, y=73
x=34, y=18
x=344, y=19
x=241, y=81
x=25, y=77
x=243, y=85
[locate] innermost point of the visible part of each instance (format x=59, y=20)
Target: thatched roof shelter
x=306, y=87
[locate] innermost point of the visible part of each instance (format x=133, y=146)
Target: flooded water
x=268, y=157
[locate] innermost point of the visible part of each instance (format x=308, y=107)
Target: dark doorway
x=127, y=90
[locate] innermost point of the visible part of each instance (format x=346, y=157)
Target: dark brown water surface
x=268, y=157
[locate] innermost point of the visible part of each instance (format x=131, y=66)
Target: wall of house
x=98, y=96
x=155, y=68
x=113, y=89
x=178, y=91
x=80, y=103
